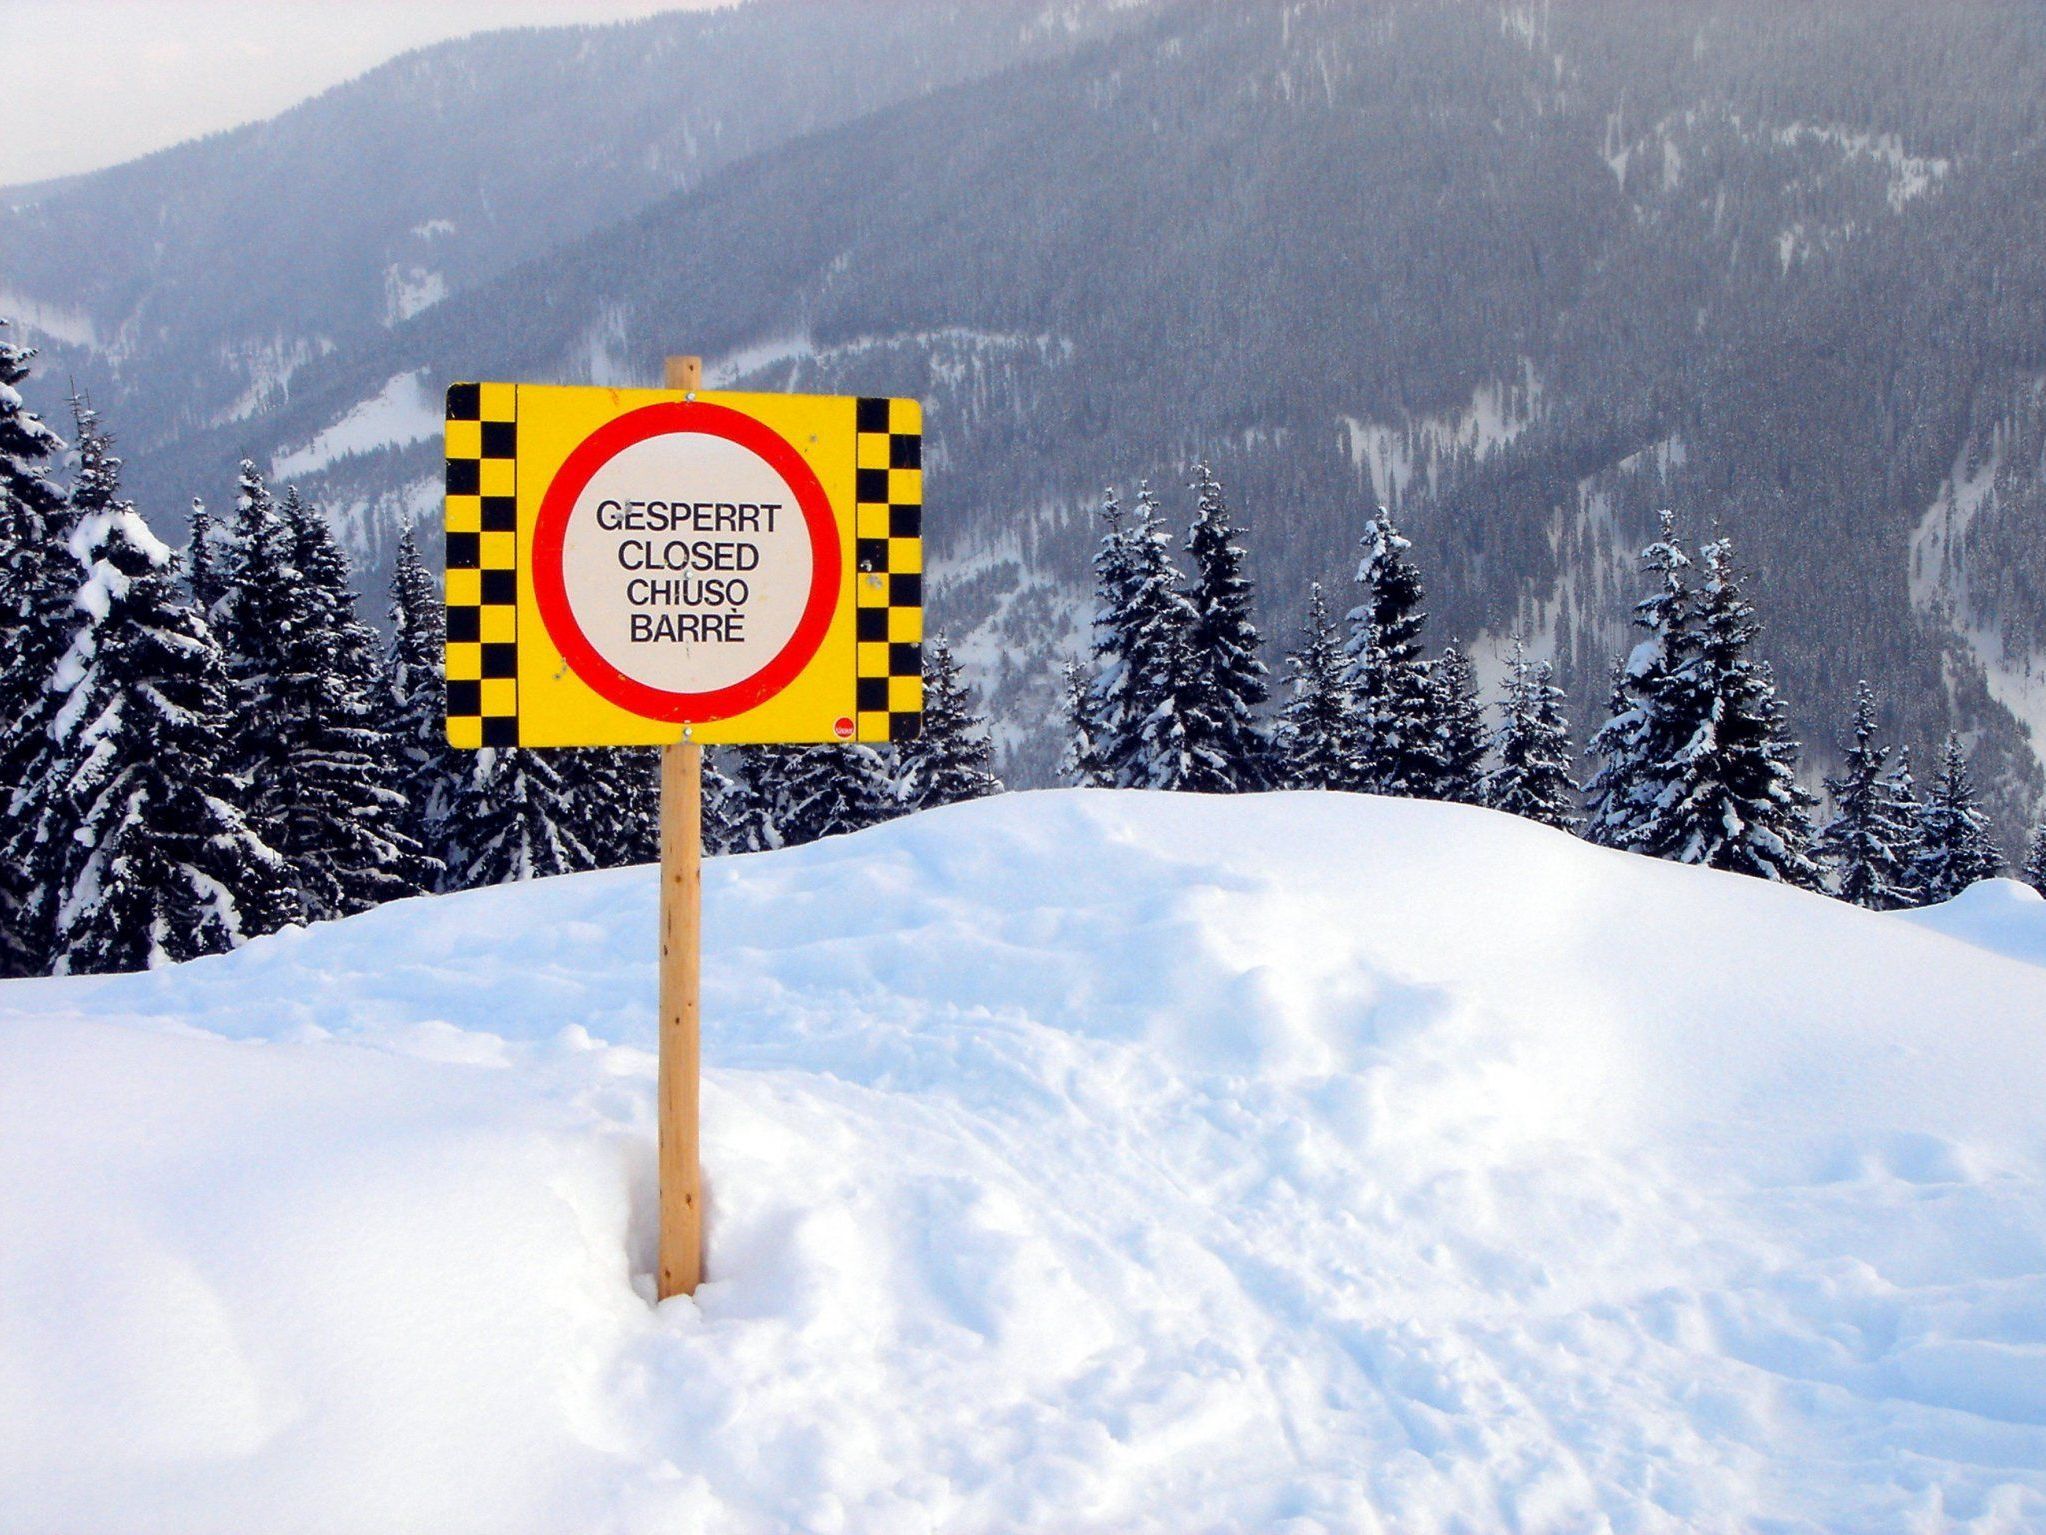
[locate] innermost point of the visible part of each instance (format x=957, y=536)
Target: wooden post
x=681, y=1173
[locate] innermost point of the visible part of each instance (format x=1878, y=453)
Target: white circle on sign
x=686, y=561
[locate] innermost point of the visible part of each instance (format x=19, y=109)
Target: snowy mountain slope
x=189, y=288
x=1078, y=1162
x=1523, y=267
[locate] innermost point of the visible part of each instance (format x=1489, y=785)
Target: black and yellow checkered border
x=483, y=565
x=888, y=556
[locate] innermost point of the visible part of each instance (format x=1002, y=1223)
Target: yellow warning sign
x=627, y=567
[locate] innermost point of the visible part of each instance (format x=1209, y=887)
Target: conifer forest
x=208, y=744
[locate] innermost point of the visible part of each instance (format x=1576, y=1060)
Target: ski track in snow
x=1077, y=1161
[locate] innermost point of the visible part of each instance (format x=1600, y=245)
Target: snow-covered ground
x=405, y=410
x=1078, y=1162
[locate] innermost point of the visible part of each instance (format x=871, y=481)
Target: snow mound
x=2003, y=916
x=1078, y=1162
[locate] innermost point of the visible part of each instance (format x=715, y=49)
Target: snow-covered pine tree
x=149, y=860
x=1902, y=806
x=1313, y=743
x=1227, y=684
x=768, y=777
x=1736, y=803
x=951, y=758
x=722, y=798
x=638, y=771
x=333, y=806
x=514, y=816
x=2034, y=871
x=825, y=791
x=206, y=562
x=1533, y=747
x=427, y=768
x=1115, y=737
x=350, y=644
x=1651, y=718
x=736, y=815
x=1388, y=676
x=617, y=792
x=26, y=443
x=1157, y=674
x=1080, y=763
x=1461, y=739
x=256, y=619
x=1865, y=847
x=37, y=580
x=1954, y=847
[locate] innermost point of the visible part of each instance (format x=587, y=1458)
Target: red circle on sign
x=843, y=727
x=550, y=589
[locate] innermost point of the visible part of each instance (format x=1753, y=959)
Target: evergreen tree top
x=206, y=562
x=951, y=757
x=1391, y=617
x=1955, y=846
x=1867, y=842
x=25, y=440
x=1152, y=574
x=1389, y=676
x=96, y=484
x=1383, y=543
x=1314, y=744
x=1863, y=756
x=318, y=556
x=1728, y=617
x=329, y=587
x=1665, y=611
x=1533, y=746
x=1211, y=542
x=252, y=493
x=1900, y=785
x=1114, y=561
x=1455, y=665
x=418, y=619
x=1146, y=522
x=1953, y=783
x=109, y=537
x=1211, y=506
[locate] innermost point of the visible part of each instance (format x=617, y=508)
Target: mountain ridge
x=274, y=242
x=1526, y=273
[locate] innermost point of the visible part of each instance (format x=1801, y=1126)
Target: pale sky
x=94, y=82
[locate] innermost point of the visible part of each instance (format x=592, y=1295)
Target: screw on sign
x=679, y=568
